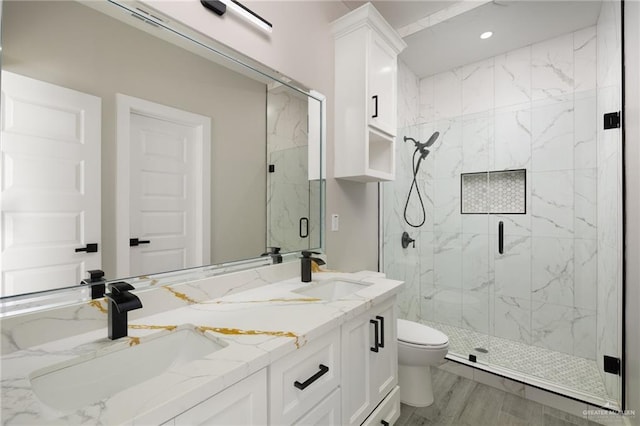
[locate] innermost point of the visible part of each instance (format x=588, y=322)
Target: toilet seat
x=415, y=334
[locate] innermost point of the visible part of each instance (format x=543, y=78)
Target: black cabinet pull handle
x=303, y=227
x=376, y=331
x=381, y=319
x=375, y=99
x=89, y=248
x=384, y=422
x=134, y=242
x=500, y=237
x=323, y=370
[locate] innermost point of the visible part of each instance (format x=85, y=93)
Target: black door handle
x=323, y=370
x=384, y=423
x=303, y=229
x=133, y=242
x=376, y=336
x=381, y=319
x=375, y=99
x=89, y=248
x=500, y=237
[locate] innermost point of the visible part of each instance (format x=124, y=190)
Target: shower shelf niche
x=498, y=192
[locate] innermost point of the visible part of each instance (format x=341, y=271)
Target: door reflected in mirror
x=130, y=148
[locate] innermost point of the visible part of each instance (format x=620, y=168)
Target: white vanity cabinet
x=300, y=381
x=369, y=364
x=244, y=403
x=366, y=68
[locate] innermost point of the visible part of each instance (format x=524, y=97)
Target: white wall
x=632, y=147
x=301, y=47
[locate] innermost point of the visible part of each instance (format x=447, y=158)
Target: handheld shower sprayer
x=421, y=149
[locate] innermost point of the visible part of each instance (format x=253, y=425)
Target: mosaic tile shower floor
x=565, y=370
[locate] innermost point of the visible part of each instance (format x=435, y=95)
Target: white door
x=168, y=189
x=382, y=85
x=50, y=185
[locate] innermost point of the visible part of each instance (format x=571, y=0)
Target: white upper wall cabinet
x=366, y=68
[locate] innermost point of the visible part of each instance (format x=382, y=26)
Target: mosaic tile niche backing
x=493, y=192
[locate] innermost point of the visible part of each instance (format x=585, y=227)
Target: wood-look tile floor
x=463, y=402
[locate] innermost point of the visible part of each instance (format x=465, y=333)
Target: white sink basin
x=332, y=290
x=73, y=384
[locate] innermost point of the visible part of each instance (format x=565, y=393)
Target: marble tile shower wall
x=288, y=186
x=534, y=108
x=609, y=176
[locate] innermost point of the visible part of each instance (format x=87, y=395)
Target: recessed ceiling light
x=486, y=35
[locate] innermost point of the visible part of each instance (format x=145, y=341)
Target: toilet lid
x=420, y=334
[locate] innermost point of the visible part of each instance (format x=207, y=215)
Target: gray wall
x=301, y=47
x=106, y=60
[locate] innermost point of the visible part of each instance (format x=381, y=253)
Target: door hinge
x=272, y=168
x=611, y=365
x=612, y=120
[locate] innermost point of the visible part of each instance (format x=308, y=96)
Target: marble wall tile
x=585, y=131
x=584, y=333
x=446, y=211
x=476, y=276
x=408, y=96
x=475, y=224
x=513, y=267
x=552, y=207
x=427, y=100
x=512, y=139
x=551, y=326
x=512, y=318
x=447, y=306
x=477, y=87
x=609, y=44
x=448, y=94
x=552, y=135
x=552, y=270
x=286, y=120
x=552, y=67
x=476, y=311
x=585, y=199
x=447, y=255
x=425, y=241
x=477, y=143
x=608, y=205
x=446, y=152
x=513, y=77
x=584, y=56
x=586, y=276
x=404, y=264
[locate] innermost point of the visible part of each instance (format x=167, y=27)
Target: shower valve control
x=406, y=240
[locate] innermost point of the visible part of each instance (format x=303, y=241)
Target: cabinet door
x=327, y=413
x=244, y=403
x=356, y=377
x=382, y=85
x=384, y=363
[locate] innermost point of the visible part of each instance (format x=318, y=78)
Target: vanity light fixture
x=219, y=7
x=485, y=35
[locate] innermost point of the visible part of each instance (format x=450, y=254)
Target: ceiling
x=455, y=41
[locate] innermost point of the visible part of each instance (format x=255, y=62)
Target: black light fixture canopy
x=215, y=6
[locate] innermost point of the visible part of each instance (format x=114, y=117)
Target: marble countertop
x=256, y=326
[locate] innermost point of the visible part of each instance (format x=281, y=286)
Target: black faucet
x=274, y=252
x=305, y=265
x=120, y=302
x=96, y=282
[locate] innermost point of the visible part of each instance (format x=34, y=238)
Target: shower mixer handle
x=406, y=240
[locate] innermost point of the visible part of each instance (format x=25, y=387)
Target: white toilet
x=419, y=347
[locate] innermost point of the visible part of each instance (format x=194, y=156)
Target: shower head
x=422, y=146
x=432, y=139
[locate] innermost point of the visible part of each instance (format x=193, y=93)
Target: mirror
x=135, y=146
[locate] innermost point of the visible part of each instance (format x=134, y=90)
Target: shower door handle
x=303, y=227
x=500, y=237
x=375, y=106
